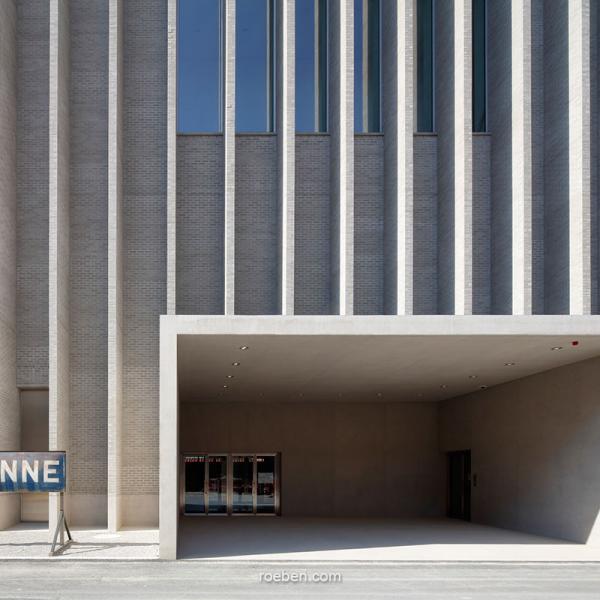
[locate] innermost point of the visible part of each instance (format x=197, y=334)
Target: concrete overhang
x=370, y=358
x=399, y=357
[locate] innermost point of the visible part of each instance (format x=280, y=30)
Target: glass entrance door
x=243, y=485
x=217, y=484
x=230, y=484
x=194, y=470
x=265, y=484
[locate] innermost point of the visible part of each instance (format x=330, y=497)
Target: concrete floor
x=30, y=541
x=307, y=539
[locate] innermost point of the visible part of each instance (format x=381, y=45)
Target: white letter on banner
x=6, y=470
x=49, y=469
x=27, y=470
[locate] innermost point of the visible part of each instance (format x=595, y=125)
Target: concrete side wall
x=312, y=226
x=350, y=459
x=89, y=260
x=368, y=225
x=256, y=225
x=200, y=225
x=9, y=399
x=425, y=239
x=534, y=447
x=144, y=234
x=32, y=192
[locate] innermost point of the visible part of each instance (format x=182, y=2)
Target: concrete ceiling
x=365, y=367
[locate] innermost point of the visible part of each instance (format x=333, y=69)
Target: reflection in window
x=425, y=65
x=199, y=66
x=367, y=67
x=311, y=65
x=479, y=65
x=255, y=66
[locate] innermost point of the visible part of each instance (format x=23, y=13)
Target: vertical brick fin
x=521, y=127
x=398, y=126
x=580, y=173
x=286, y=148
x=172, y=158
x=10, y=505
x=341, y=115
x=115, y=262
x=229, y=153
x=404, y=142
x=463, y=160
x=59, y=368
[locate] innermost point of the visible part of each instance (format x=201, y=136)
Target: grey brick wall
x=556, y=157
x=32, y=192
x=89, y=238
x=200, y=225
x=368, y=225
x=256, y=225
x=445, y=128
x=313, y=225
x=482, y=208
x=499, y=116
x=538, y=152
x=425, y=274
x=144, y=215
x=9, y=399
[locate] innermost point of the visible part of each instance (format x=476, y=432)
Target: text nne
x=29, y=471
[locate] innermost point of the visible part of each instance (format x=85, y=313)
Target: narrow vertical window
x=425, y=65
x=479, y=65
x=367, y=66
x=255, y=66
x=311, y=65
x=199, y=66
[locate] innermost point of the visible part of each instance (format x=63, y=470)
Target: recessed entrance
x=230, y=484
x=459, y=485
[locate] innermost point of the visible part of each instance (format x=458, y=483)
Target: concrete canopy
x=361, y=357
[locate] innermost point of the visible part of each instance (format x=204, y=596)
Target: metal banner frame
x=61, y=527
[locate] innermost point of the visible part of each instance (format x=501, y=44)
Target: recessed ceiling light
x=556, y=348
x=472, y=376
x=235, y=364
x=244, y=347
x=229, y=376
x=483, y=387
x=509, y=364
x=379, y=394
x=443, y=386
x=225, y=386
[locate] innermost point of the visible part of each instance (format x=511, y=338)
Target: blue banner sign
x=33, y=471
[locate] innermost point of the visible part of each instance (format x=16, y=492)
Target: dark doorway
x=459, y=485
